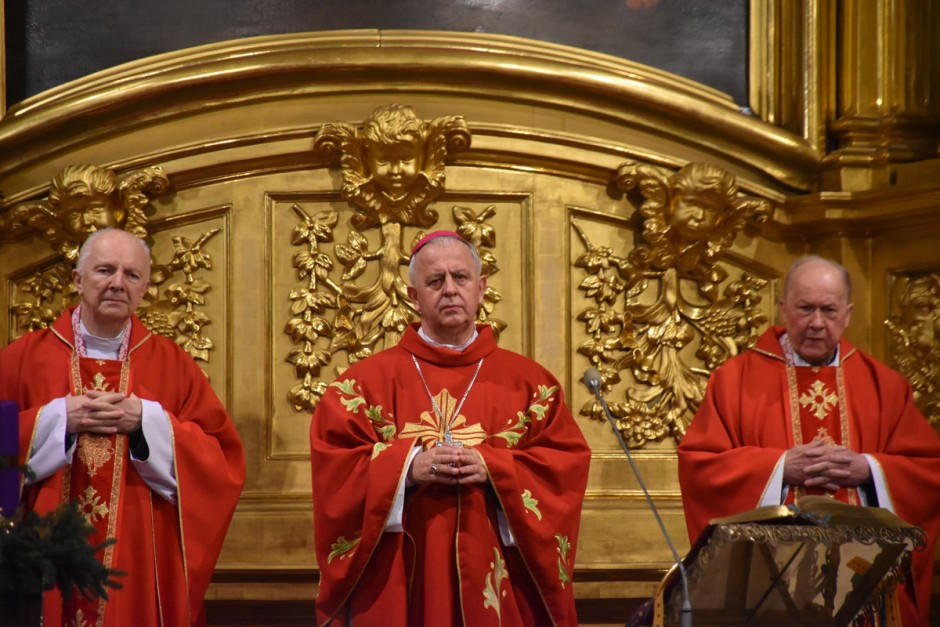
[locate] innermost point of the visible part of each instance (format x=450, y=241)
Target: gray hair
x=86, y=246
x=835, y=265
x=438, y=241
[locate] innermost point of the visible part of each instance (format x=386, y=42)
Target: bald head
x=816, y=308
x=112, y=276
x=818, y=261
x=89, y=244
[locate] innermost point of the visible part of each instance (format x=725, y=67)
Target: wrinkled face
x=447, y=292
x=816, y=311
x=394, y=168
x=112, y=282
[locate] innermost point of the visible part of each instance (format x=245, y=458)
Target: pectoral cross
x=448, y=440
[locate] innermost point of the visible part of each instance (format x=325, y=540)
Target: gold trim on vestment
x=62, y=337
x=796, y=422
x=120, y=443
x=97, y=458
x=844, y=412
x=179, y=512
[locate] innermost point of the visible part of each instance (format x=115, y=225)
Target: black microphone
x=592, y=379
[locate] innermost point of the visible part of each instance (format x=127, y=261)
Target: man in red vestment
x=448, y=473
x=125, y=424
x=806, y=412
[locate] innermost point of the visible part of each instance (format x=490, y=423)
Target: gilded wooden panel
x=279, y=261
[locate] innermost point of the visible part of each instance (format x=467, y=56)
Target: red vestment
x=449, y=566
x=168, y=551
x=745, y=424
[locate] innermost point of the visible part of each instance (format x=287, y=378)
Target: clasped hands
x=825, y=466
x=104, y=413
x=447, y=464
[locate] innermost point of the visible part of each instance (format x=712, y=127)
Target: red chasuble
x=168, y=551
x=756, y=408
x=449, y=566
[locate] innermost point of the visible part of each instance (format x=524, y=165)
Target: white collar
x=793, y=358
x=101, y=347
x=455, y=347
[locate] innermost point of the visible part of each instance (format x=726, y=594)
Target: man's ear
x=413, y=296
x=482, y=289
x=77, y=279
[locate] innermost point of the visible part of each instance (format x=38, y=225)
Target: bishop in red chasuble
x=448, y=473
x=806, y=412
x=160, y=475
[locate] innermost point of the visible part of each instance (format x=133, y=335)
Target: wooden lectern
x=818, y=563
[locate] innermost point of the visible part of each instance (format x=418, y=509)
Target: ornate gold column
x=792, y=71
x=3, y=64
x=887, y=113
x=856, y=79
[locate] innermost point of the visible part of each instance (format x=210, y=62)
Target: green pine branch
x=39, y=552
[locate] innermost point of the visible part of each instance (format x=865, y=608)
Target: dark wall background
x=50, y=42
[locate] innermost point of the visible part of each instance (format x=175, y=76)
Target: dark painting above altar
x=51, y=42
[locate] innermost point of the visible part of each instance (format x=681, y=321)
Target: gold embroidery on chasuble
x=91, y=506
x=93, y=480
x=819, y=412
x=94, y=451
x=79, y=621
x=99, y=383
x=430, y=428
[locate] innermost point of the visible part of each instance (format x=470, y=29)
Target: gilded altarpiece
x=312, y=310
x=188, y=286
x=914, y=336
x=561, y=175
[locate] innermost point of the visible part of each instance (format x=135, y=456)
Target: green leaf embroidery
x=386, y=432
x=531, y=503
x=563, y=545
x=353, y=400
x=539, y=411
x=347, y=387
x=374, y=413
x=540, y=407
x=492, y=596
x=377, y=448
x=353, y=404
x=341, y=548
x=513, y=434
x=545, y=393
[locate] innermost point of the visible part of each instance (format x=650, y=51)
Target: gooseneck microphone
x=592, y=379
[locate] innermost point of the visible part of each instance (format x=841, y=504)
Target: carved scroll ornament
x=83, y=199
x=644, y=314
x=392, y=168
x=914, y=330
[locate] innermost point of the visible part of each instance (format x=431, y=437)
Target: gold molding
x=649, y=307
x=792, y=68
x=860, y=74
x=3, y=62
x=632, y=100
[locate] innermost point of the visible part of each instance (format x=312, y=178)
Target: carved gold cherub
x=83, y=199
x=86, y=199
x=914, y=331
x=393, y=165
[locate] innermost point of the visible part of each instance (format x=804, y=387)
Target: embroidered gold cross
x=821, y=399
x=824, y=436
x=91, y=506
x=100, y=382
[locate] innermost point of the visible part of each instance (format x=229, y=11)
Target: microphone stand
x=592, y=379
